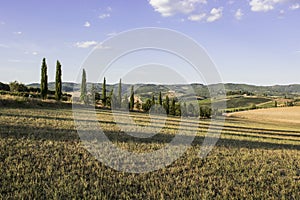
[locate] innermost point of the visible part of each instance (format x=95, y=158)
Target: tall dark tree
x=172, y=107
x=83, y=90
x=111, y=100
x=160, y=99
x=44, y=80
x=167, y=105
x=58, y=83
x=125, y=103
x=153, y=100
x=131, y=100
x=93, y=93
x=119, y=95
x=104, y=98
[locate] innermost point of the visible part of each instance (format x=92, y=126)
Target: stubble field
x=43, y=157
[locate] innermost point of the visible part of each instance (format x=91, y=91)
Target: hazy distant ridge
x=199, y=88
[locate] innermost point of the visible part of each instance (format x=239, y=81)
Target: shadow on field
x=186, y=126
x=57, y=134
x=34, y=104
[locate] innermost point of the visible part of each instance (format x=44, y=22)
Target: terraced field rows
x=41, y=155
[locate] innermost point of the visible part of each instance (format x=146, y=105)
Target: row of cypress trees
x=44, y=81
x=170, y=106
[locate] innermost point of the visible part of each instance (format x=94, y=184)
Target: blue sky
x=250, y=41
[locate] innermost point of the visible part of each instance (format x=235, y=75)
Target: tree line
x=115, y=100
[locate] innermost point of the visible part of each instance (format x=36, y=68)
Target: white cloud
x=263, y=5
x=2, y=23
x=197, y=17
x=86, y=44
x=105, y=15
x=34, y=53
x=87, y=24
x=239, y=14
x=171, y=7
x=215, y=14
x=17, y=33
x=295, y=6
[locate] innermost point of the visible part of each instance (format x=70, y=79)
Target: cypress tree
x=44, y=80
x=173, y=108
x=125, y=104
x=104, y=92
x=58, y=83
x=160, y=99
x=153, y=100
x=119, y=94
x=111, y=100
x=167, y=105
x=131, y=101
x=93, y=93
x=83, y=90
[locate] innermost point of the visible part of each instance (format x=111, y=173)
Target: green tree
x=160, y=99
x=131, y=100
x=167, y=105
x=202, y=112
x=93, y=93
x=44, y=80
x=119, y=94
x=58, y=83
x=111, y=100
x=153, y=100
x=125, y=103
x=17, y=87
x=104, y=98
x=4, y=87
x=83, y=90
x=172, y=107
x=177, y=110
x=147, y=105
x=138, y=105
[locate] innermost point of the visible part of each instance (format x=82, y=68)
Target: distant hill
x=146, y=90
x=267, y=90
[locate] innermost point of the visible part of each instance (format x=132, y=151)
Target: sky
x=250, y=41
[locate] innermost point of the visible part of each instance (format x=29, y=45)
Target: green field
x=42, y=156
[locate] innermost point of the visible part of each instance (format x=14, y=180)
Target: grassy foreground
x=42, y=156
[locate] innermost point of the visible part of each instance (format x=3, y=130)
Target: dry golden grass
x=285, y=116
x=42, y=157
